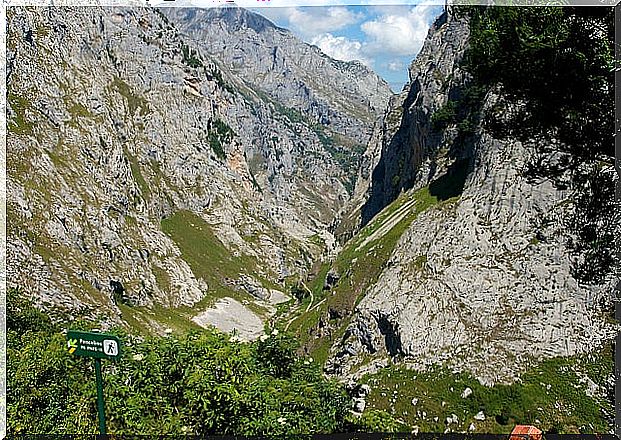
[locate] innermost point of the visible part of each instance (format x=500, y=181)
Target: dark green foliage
x=219, y=134
x=299, y=292
x=444, y=116
x=560, y=62
x=22, y=317
x=463, y=108
x=276, y=355
x=191, y=57
x=292, y=114
x=554, y=68
x=216, y=145
x=200, y=382
x=216, y=74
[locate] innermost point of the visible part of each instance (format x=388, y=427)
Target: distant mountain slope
x=345, y=97
x=142, y=174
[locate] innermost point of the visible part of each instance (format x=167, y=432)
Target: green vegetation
x=445, y=115
x=292, y=114
x=462, y=109
x=199, y=382
x=20, y=124
x=200, y=248
x=191, y=57
x=359, y=264
x=216, y=74
x=348, y=157
x=210, y=259
x=137, y=174
x=550, y=392
x=219, y=133
x=134, y=101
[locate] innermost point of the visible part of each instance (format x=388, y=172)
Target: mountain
x=344, y=97
x=175, y=169
x=451, y=263
x=145, y=175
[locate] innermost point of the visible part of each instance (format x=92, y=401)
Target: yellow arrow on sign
x=72, y=345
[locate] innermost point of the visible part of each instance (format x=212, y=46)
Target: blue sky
x=385, y=38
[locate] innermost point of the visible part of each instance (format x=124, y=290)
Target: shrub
x=201, y=382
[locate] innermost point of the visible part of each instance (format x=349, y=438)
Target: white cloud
x=398, y=34
x=396, y=66
x=341, y=48
x=312, y=21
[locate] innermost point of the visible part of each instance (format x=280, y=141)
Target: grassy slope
x=210, y=260
x=549, y=395
x=360, y=263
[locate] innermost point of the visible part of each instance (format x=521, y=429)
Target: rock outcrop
x=475, y=282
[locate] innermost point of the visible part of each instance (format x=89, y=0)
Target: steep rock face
x=402, y=150
x=475, y=281
x=344, y=97
x=142, y=174
x=435, y=76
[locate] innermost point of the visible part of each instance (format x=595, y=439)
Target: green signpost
x=99, y=346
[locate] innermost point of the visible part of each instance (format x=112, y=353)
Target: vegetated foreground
x=449, y=162
x=206, y=382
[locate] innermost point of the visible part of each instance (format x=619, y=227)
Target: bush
x=444, y=116
x=202, y=382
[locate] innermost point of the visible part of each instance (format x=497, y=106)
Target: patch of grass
x=76, y=109
x=211, y=260
x=162, y=278
x=347, y=156
x=20, y=123
x=549, y=392
x=359, y=264
x=146, y=321
x=134, y=101
x=137, y=174
x=420, y=261
x=200, y=248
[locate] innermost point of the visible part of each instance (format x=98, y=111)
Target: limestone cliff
x=453, y=265
x=143, y=173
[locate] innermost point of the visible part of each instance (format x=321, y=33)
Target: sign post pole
x=99, y=346
x=100, y=398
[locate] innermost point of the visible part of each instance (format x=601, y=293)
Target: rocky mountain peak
x=343, y=97
x=233, y=18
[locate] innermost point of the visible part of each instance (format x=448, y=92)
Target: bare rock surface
x=231, y=316
x=475, y=282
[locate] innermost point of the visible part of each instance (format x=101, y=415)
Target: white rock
x=479, y=416
x=359, y=405
x=467, y=392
